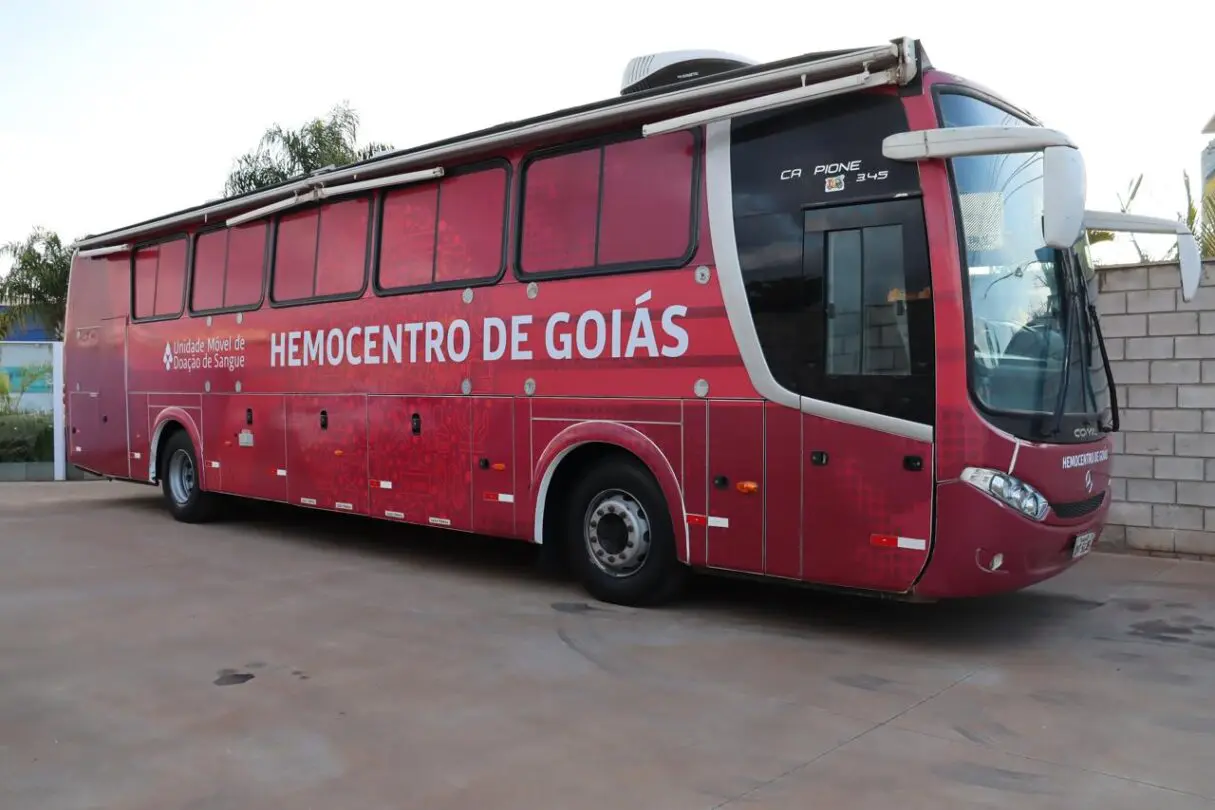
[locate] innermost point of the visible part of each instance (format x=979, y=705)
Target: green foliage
x=24, y=436
x=1203, y=227
x=27, y=437
x=35, y=288
x=10, y=395
x=284, y=154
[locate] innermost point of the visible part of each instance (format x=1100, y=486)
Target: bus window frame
x=373, y=202
x=454, y=284
x=271, y=225
x=600, y=142
x=186, y=274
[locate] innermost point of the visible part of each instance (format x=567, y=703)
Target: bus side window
x=160, y=279
x=624, y=204
x=229, y=265
x=446, y=233
x=874, y=348
x=866, y=332
x=322, y=252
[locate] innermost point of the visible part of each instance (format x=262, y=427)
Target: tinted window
x=447, y=232
x=322, y=252
x=228, y=267
x=867, y=323
x=819, y=154
x=160, y=279
x=877, y=349
x=786, y=306
x=622, y=204
x=839, y=289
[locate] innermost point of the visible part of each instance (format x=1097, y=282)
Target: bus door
x=111, y=448
x=95, y=373
x=867, y=479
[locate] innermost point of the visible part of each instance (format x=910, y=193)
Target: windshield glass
x=1023, y=296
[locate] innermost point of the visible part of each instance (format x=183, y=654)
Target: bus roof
x=688, y=96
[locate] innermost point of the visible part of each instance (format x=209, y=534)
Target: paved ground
x=327, y=662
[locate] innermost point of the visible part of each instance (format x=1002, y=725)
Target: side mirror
x=1063, y=177
x=1190, y=263
x=1064, y=191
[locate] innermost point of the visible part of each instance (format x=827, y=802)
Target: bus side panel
x=248, y=437
x=492, y=466
x=736, y=458
x=327, y=452
x=83, y=420
x=783, y=491
x=868, y=517
x=140, y=435
x=419, y=461
x=112, y=454
x=212, y=453
x=695, y=478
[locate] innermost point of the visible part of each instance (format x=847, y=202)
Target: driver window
x=866, y=309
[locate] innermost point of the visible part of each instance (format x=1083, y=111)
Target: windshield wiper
x=1069, y=332
x=1094, y=324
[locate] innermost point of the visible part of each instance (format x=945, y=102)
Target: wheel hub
x=617, y=533
x=181, y=476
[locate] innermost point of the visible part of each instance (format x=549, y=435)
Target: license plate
x=1083, y=544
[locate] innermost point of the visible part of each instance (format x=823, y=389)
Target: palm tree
x=35, y=288
x=284, y=154
x=1202, y=227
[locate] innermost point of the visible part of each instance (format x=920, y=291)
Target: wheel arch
x=168, y=422
x=586, y=443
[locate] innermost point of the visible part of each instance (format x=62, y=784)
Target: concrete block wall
x=1163, y=354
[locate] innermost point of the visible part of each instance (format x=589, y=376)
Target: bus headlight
x=1011, y=490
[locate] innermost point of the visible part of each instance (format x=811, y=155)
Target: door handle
x=913, y=463
x=324, y=420
x=818, y=458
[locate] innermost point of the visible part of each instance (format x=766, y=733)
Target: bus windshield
x=1027, y=302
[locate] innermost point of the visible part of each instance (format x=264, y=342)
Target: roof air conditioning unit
x=673, y=67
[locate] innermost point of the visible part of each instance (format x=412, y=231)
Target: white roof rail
x=773, y=101
x=783, y=75
x=319, y=192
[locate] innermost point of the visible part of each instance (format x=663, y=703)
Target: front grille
x=1078, y=509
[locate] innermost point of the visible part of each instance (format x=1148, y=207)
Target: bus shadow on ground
x=768, y=606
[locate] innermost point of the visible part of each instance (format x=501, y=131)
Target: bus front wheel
x=181, y=481
x=620, y=535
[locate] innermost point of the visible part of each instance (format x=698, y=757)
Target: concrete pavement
x=285, y=658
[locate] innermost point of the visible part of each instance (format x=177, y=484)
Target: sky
x=115, y=112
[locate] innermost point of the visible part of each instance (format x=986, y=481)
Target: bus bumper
x=982, y=547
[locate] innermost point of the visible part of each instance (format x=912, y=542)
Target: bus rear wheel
x=620, y=536
x=181, y=481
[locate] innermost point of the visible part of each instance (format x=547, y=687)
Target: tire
x=614, y=503
x=181, y=482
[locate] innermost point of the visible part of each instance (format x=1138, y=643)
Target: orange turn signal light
x=747, y=487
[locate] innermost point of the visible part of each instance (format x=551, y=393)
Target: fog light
x=996, y=562
x=1013, y=492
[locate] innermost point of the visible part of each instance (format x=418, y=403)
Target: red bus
x=826, y=319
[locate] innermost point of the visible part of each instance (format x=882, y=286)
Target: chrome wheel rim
x=181, y=476
x=616, y=532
